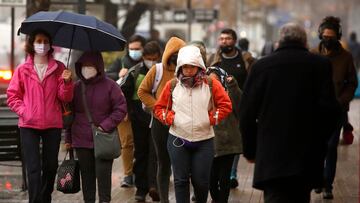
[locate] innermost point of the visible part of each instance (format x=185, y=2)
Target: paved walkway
x=346, y=187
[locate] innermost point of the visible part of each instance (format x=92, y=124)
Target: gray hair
x=292, y=32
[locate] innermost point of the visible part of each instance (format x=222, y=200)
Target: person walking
x=148, y=92
x=118, y=69
x=237, y=63
x=36, y=91
x=191, y=106
x=288, y=109
x=107, y=108
x=345, y=83
x=228, y=141
x=354, y=48
x=145, y=158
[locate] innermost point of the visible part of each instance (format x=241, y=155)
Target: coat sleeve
x=350, y=84
x=163, y=107
x=250, y=104
x=118, y=113
x=15, y=93
x=222, y=103
x=65, y=89
x=144, y=91
x=235, y=96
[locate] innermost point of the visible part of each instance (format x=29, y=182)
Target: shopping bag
x=68, y=175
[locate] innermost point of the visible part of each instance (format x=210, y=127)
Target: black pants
x=41, y=170
x=160, y=135
x=292, y=190
x=220, y=178
x=145, y=161
x=92, y=169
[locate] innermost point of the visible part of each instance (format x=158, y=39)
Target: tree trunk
x=34, y=6
x=132, y=18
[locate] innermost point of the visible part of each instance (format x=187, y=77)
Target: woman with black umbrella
x=35, y=93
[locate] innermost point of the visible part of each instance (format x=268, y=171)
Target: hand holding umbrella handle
x=66, y=75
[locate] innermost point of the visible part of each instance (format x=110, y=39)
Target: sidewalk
x=346, y=187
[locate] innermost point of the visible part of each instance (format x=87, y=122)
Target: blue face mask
x=135, y=54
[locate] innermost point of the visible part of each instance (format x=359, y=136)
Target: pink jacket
x=38, y=104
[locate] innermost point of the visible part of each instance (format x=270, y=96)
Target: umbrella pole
x=71, y=42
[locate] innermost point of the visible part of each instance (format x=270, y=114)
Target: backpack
x=158, y=76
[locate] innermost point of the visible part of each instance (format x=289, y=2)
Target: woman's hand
x=68, y=146
x=229, y=79
x=100, y=128
x=66, y=75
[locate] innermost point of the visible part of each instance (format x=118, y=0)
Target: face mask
x=149, y=63
x=41, y=49
x=135, y=54
x=330, y=43
x=226, y=49
x=88, y=71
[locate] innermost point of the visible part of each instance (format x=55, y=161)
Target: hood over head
x=172, y=46
x=190, y=55
x=93, y=58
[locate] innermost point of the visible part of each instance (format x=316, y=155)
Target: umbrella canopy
x=75, y=31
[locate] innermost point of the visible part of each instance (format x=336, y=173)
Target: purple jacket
x=105, y=101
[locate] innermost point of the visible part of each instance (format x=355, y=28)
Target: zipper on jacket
x=192, y=112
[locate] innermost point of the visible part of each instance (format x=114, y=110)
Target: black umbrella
x=75, y=31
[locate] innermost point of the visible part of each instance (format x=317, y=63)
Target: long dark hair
x=29, y=47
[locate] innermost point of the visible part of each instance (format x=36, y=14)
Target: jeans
x=220, y=178
x=234, y=167
x=331, y=156
x=159, y=134
x=92, y=169
x=194, y=163
x=41, y=169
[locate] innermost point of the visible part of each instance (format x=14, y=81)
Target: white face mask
x=41, y=49
x=88, y=71
x=149, y=63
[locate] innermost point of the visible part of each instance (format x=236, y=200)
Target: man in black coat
x=287, y=110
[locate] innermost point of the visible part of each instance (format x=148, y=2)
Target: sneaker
x=154, y=195
x=318, y=190
x=139, y=198
x=348, y=137
x=193, y=198
x=128, y=181
x=328, y=194
x=233, y=183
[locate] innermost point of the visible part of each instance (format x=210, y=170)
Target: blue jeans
x=331, y=156
x=233, y=174
x=194, y=163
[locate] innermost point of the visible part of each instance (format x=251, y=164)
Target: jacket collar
x=30, y=70
x=291, y=45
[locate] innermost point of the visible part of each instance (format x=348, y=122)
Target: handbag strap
x=86, y=108
x=71, y=154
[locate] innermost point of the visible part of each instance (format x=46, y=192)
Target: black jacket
x=288, y=110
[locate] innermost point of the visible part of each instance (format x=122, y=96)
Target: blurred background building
x=257, y=20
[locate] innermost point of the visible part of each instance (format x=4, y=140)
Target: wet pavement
x=346, y=186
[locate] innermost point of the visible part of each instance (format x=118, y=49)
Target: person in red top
x=191, y=105
x=35, y=93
